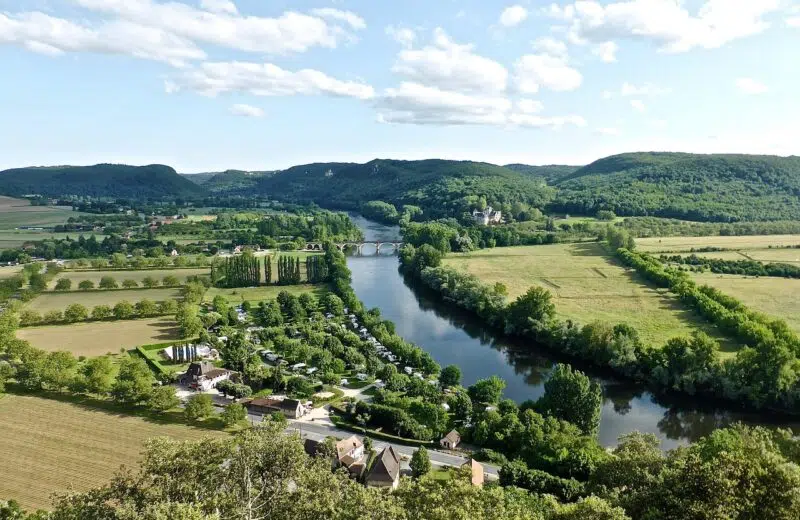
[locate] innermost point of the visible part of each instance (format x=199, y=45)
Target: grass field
x=653, y=245
x=138, y=275
x=257, y=294
x=50, y=446
x=99, y=338
x=587, y=285
x=778, y=297
x=9, y=271
x=58, y=301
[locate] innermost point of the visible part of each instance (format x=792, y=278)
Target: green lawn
x=587, y=285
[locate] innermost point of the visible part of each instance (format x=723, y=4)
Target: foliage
x=420, y=462
x=233, y=415
x=199, y=407
x=571, y=396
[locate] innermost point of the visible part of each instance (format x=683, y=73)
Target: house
x=291, y=408
x=204, y=376
x=362, y=377
x=349, y=451
x=451, y=440
x=487, y=216
x=385, y=472
x=476, y=470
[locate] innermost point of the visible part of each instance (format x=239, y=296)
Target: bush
x=108, y=282
x=86, y=285
x=233, y=415
x=199, y=407
x=63, y=284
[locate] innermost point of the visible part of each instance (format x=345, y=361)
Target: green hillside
x=101, y=180
x=551, y=173
x=198, y=178
x=686, y=186
x=441, y=188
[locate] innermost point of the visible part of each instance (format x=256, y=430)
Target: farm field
x=99, y=338
x=52, y=446
x=677, y=244
x=258, y=294
x=18, y=212
x=78, y=276
x=587, y=285
x=777, y=297
x=10, y=239
x=58, y=301
x=9, y=271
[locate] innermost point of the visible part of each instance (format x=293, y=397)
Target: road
x=320, y=431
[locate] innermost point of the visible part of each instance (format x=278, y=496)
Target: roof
x=216, y=372
x=386, y=467
x=453, y=436
x=289, y=404
x=345, y=446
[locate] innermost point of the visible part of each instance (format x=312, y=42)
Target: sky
x=208, y=85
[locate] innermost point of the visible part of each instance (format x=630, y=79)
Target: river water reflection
x=457, y=338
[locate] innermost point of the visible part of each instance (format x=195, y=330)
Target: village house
x=204, y=376
x=487, y=216
x=385, y=472
x=451, y=440
x=291, y=408
x=349, y=451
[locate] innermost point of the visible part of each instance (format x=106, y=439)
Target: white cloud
x=638, y=105
x=402, y=35
x=551, y=46
x=266, y=79
x=607, y=51
x=49, y=35
x=794, y=19
x=514, y=15
x=607, y=94
x=412, y=103
x=751, y=86
x=349, y=17
x=645, y=89
x=529, y=106
x=420, y=104
x=666, y=23
x=246, y=111
x=290, y=32
x=609, y=131
x=170, y=87
x=534, y=71
x=451, y=66
x=219, y=6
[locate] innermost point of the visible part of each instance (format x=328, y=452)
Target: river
x=452, y=337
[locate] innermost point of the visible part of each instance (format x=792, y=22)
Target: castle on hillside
x=487, y=216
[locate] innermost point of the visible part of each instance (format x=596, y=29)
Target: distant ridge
x=101, y=180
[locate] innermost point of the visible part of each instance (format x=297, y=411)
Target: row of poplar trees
x=244, y=271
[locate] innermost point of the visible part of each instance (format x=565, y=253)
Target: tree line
x=739, y=267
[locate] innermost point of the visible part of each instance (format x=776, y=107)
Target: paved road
x=320, y=431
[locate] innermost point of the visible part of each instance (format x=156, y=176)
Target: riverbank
x=454, y=336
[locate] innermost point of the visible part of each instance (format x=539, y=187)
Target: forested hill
x=234, y=181
x=439, y=187
x=551, y=173
x=101, y=180
x=198, y=178
x=687, y=186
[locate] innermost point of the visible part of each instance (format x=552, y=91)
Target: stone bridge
x=359, y=246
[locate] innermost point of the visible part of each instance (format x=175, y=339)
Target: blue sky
x=204, y=85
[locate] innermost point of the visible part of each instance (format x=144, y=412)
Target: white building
x=487, y=216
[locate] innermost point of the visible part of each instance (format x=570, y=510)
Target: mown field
x=18, y=212
x=778, y=297
x=58, y=301
x=258, y=294
x=677, y=244
x=587, y=285
x=99, y=338
x=51, y=447
x=78, y=276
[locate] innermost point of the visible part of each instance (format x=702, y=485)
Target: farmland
x=137, y=275
x=747, y=242
x=777, y=297
x=258, y=294
x=587, y=285
x=51, y=446
x=99, y=338
x=18, y=212
x=58, y=301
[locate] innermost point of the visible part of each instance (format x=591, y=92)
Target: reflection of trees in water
x=621, y=395
x=692, y=424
